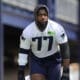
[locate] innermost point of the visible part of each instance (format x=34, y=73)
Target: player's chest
x=43, y=39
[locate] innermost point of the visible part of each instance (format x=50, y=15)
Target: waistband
x=55, y=56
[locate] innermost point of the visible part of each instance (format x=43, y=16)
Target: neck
x=41, y=26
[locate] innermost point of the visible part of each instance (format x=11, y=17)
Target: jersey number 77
x=40, y=39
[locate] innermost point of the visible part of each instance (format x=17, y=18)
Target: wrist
x=65, y=69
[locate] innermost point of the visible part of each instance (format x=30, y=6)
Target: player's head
x=41, y=16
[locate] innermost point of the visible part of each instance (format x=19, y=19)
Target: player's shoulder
x=55, y=25
x=28, y=29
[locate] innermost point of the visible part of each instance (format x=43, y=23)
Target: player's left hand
x=65, y=74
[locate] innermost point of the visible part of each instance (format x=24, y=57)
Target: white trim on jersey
x=22, y=59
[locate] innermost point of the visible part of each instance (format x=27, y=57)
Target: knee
x=37, y=77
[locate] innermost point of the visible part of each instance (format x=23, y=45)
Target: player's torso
x=43, y=44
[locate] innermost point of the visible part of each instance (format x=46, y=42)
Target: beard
x=41, y=25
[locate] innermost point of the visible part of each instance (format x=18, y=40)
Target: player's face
x=42, y=16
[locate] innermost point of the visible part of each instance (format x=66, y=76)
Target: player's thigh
x=54, y=72
x=37, y=76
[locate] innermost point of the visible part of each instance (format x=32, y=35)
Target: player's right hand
x=21, y=73
x=20, y=77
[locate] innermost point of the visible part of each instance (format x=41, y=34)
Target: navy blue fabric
x=49, y=66
x=24, y=51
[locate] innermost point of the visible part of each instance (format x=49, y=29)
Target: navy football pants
x=50, y=66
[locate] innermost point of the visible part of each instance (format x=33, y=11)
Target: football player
x=44, y=44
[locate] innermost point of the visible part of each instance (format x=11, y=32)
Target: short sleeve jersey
x=44, y=43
